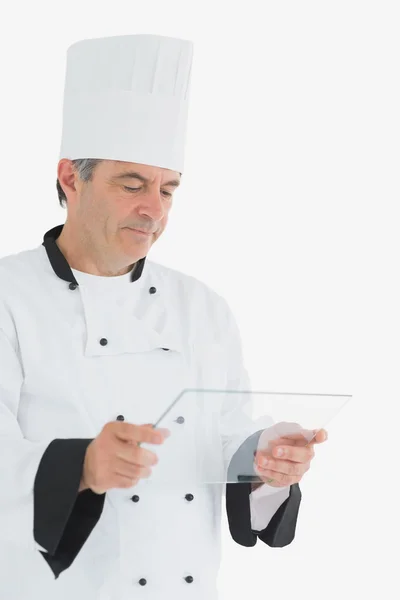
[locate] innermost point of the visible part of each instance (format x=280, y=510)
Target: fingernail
x=263, y=462
x=279, y=452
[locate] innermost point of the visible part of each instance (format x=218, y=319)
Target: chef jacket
x=78, y=351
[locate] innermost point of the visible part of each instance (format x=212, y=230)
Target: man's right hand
x=115, y=460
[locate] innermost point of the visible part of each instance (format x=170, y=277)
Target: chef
x=95, y=342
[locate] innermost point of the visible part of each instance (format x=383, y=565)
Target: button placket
x=136, y=498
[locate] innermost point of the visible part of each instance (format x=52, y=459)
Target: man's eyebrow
x=134, y=175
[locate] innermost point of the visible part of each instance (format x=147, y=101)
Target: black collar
x=59, y=263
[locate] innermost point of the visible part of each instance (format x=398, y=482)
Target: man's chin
x=135, y=247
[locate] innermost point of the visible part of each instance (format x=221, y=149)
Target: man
x=95, y=342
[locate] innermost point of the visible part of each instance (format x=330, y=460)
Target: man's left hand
x=289, y=466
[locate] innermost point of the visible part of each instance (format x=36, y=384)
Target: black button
x=103, y=342
x=152, y=290
x=166, y=349
x=120, y=418
x=72, y=286
x=189, y=579
x=142, y=581
x=180, y=420
x=189, y=497
x=135, y=498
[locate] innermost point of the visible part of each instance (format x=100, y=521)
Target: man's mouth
x=140, y=231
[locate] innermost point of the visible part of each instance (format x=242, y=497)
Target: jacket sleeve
x=40, y=507
x=281, y=527
x=63, y=518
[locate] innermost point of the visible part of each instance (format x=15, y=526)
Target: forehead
x=149, y=172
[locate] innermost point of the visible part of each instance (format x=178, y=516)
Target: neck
x=82, y=254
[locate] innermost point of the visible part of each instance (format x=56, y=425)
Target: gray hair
x=85, y=168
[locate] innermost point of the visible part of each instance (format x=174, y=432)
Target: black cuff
x=238, y=513
x=237, y=494
x=63, y=519
x=282, y=527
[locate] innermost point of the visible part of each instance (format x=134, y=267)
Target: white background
x=289, y=208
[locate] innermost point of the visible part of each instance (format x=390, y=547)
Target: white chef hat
x=126, y=98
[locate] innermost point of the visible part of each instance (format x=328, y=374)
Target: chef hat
x=126, y=98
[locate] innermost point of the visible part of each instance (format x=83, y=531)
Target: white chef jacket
x=77, y=351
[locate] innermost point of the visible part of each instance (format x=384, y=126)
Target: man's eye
x=129, y=189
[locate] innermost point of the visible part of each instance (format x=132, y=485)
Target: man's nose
x=152, y=205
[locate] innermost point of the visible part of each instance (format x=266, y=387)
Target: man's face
x=123, y=196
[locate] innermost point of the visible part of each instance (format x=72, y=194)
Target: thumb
x=165, y=432
x=320, y=435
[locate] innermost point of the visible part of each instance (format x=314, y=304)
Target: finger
x=137, y=433
x=297, y=436
x=295, y=453
x=137, y=455
x=299, y=439
x=295, y=439
x=281, y=478
x=276, y=442
x=284, y=440
x=321, y=435
x=284, y=466
x=318, y=436
x=165, y=432
x=132, y=471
